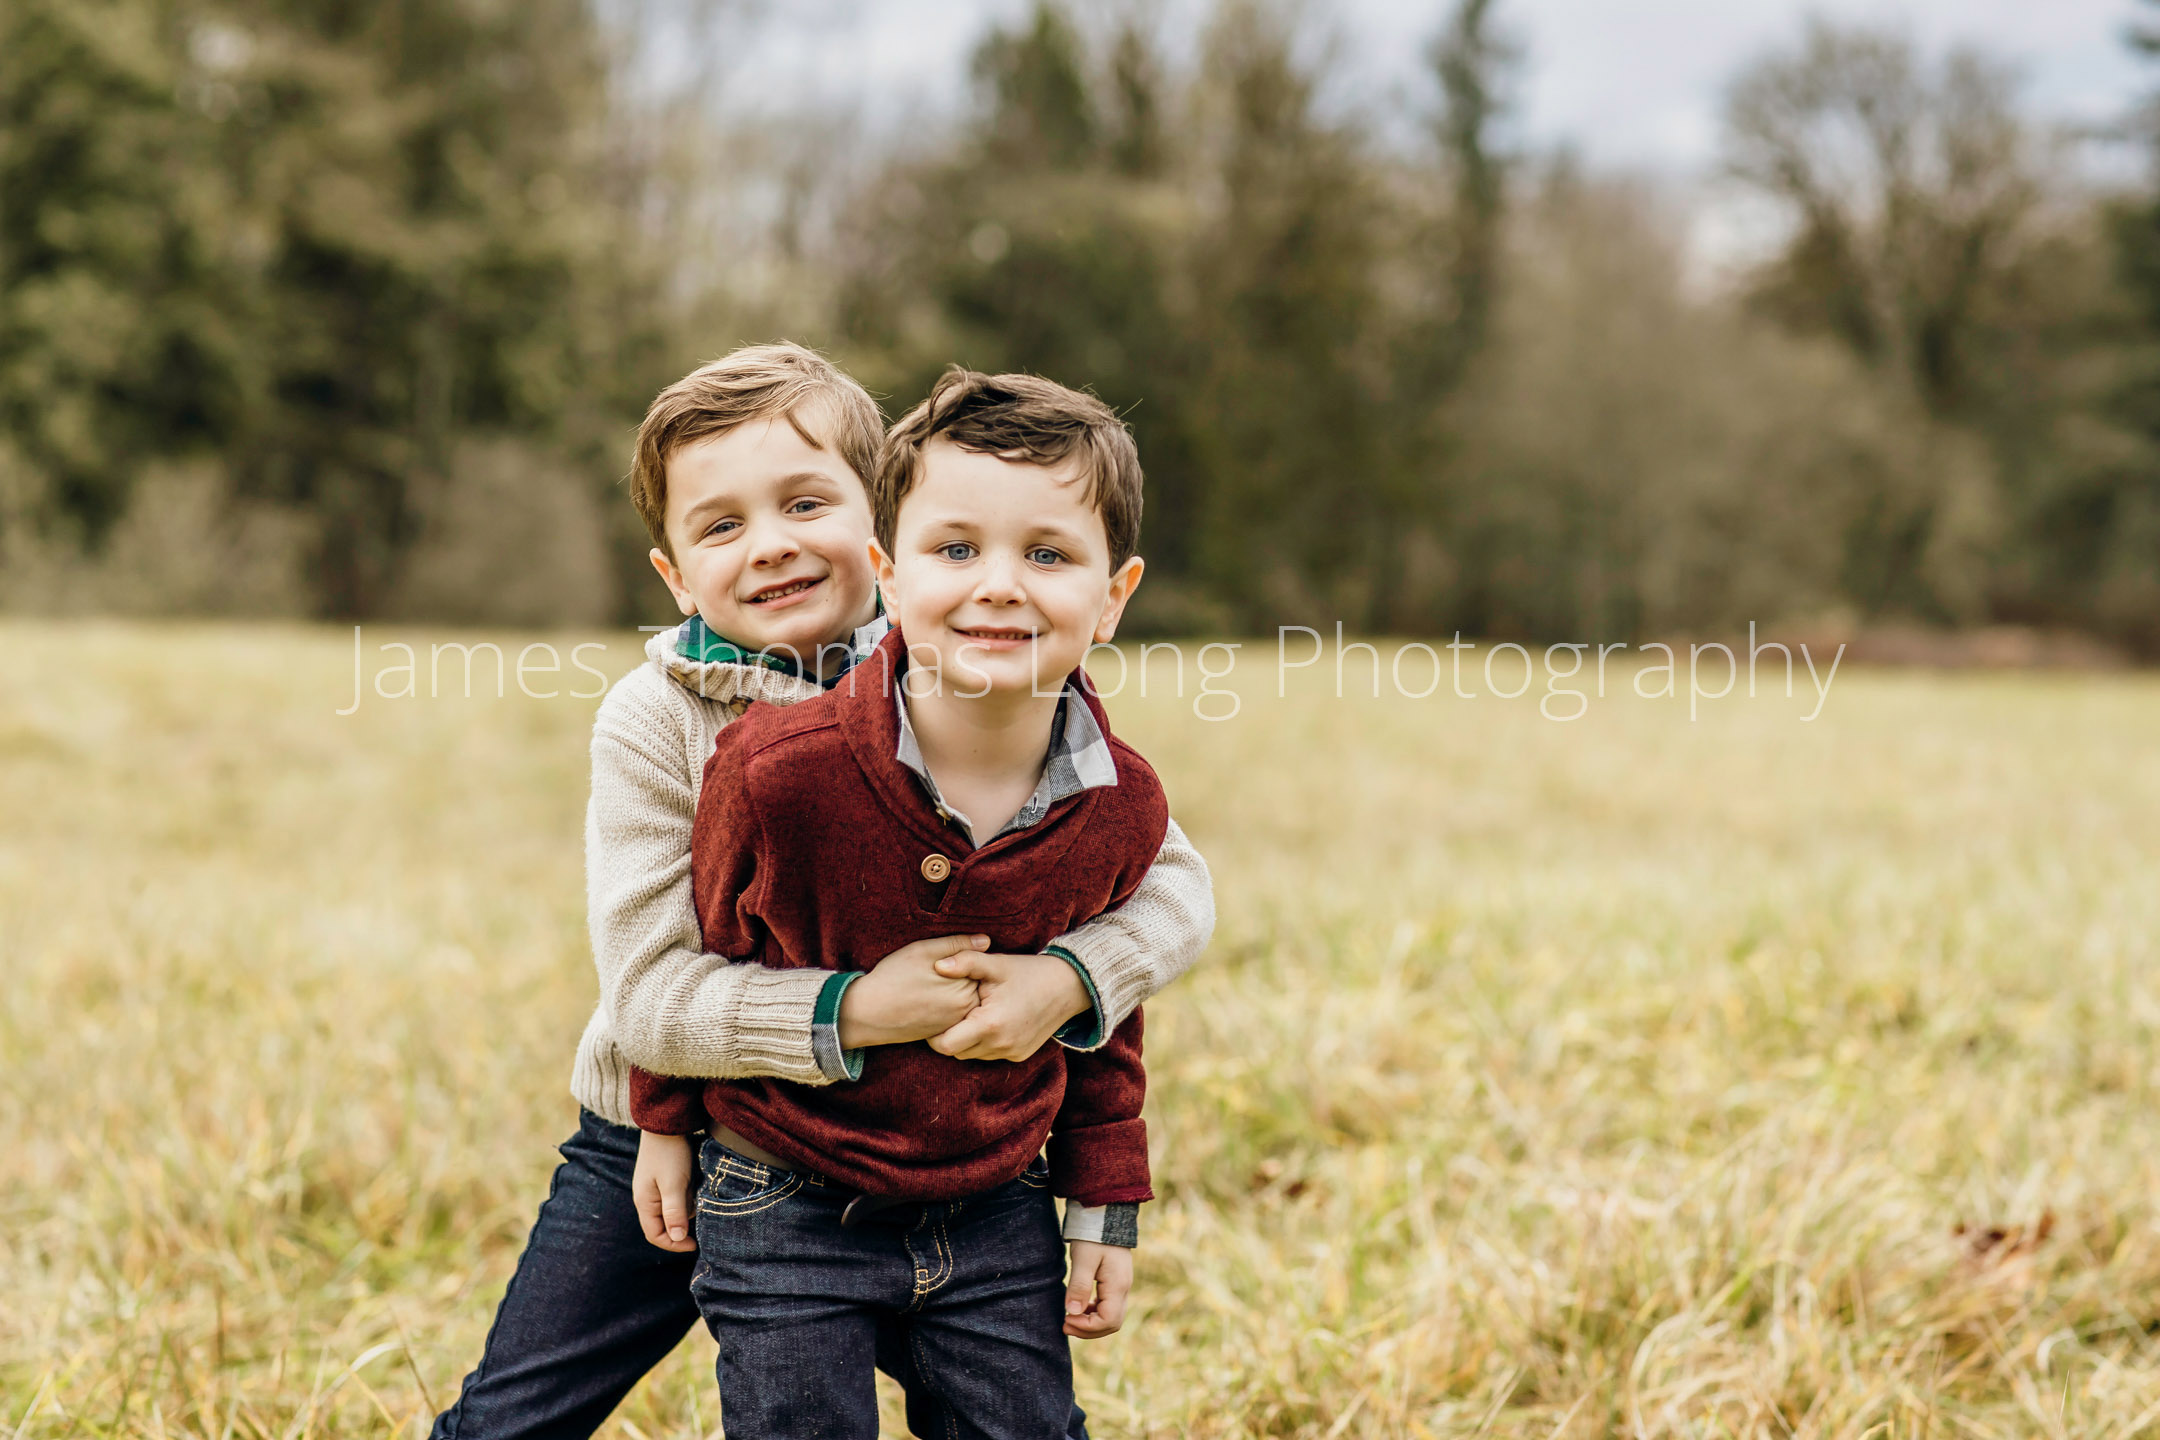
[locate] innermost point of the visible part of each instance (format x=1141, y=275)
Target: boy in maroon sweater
x=963, y=778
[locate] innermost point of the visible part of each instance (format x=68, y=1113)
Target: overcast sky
x=1627, y=82
x=1638, y=82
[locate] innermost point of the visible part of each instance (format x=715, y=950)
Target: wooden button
x=935, y=868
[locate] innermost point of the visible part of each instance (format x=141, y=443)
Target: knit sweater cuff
x=774, y=1015
x=1088, y=1029
x=1119, y=974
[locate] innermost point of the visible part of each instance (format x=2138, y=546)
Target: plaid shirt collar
x=1079, y=759
x=696, y=641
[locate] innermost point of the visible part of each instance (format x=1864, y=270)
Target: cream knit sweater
x=671, y=1008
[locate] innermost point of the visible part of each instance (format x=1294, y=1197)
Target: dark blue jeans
x=592, y=1307
x=967, y=1295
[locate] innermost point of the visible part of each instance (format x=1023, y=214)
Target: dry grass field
x=1746, y=1077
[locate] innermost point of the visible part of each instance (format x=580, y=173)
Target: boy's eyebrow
x=1035, y=533
x=952, y=523
x=701, y=508
x=1050, y=532
x=726, y=499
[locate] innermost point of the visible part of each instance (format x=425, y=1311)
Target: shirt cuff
x=1084, y=1031
x=1117, y=1225
x=833, y=1062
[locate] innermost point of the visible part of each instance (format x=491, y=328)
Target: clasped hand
x=966, y=1002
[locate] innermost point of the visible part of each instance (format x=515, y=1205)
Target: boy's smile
x=769, y=535
x=998, y=639
x=783, y=594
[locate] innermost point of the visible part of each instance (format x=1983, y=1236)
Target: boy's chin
x=1001, y=684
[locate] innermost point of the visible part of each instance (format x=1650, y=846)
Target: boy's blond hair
x=757, y=382
x=1017, y=417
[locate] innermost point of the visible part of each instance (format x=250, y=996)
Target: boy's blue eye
x=803, y=506
x=957, y=551
x=1044, y=555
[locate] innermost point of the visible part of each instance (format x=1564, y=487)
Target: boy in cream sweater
x=749, y=478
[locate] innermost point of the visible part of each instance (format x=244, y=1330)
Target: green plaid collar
x=695, y=640
x=700, y=642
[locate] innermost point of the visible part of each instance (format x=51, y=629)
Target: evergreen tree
x=316, y=242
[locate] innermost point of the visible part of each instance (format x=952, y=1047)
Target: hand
x=1025, y=1000
x=904, y=997
x=660, y=1186
x=1095, y=1295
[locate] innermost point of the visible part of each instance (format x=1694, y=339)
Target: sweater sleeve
x=1098, y=1142
x=664, y=1105
x=673, y=1008
x=724, y=874
x=1132, y=952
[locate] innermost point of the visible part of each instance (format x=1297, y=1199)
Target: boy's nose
x=771, y=547
x=1001, y=584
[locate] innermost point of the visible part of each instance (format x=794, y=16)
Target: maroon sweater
x=809, y=850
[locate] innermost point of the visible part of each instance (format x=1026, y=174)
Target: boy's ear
x=675, y=583
x=881, y=566
x=1122, y=585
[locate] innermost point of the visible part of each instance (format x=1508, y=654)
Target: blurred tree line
x=317, y=307
x=348, y=310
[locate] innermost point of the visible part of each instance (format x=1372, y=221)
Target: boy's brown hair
x=1017, y=417
x=757, y=382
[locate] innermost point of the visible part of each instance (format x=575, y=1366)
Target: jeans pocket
x=737, y=1186
x=1037, y=1174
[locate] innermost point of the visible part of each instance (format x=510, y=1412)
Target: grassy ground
x=1630, y=1076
